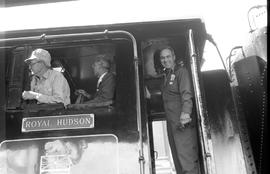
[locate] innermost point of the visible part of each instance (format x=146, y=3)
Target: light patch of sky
x=225, y=20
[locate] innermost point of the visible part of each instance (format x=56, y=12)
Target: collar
x=168, y=71
x=101, y=77
x=45, y=75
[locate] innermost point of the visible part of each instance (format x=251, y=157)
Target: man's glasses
x=32, y=64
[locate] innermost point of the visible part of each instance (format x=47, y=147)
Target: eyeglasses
x=32, y=64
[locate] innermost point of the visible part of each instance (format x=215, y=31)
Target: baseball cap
x=40, y=55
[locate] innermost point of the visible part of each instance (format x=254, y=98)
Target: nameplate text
x=78, y=121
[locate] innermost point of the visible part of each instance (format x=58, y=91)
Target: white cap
x=40, y=55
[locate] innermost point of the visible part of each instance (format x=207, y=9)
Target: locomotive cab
x=127, y=134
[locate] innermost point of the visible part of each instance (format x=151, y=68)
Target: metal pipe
x=211, y=40
x=209, y=166
x=229, y=58
x=45, y=37
x=138, y=102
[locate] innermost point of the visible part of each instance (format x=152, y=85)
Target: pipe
x=207, y=149
x=211, y=40
x=230, y=56
x=138, y=102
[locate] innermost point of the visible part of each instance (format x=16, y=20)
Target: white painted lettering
x=76, y=121
x=70, y=121
x=88, y=120
x=27, y=124
x=33, y=124
x=59, y=122
x=81, y=121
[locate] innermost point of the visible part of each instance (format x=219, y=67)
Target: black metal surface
x=218, y=98
x=15, y=77
x=223, y=123
x=2, y=94
x=252, y=87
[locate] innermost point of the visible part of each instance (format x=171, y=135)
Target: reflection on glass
x=70, y=155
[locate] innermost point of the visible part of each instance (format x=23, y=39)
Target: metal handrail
x=248, y=15
x=209, y=166
x=228, y=59
x=211, y=40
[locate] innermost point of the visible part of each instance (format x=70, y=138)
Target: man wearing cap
x=105, y=84
x=47, y=85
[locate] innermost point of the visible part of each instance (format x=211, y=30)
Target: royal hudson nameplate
x=80, y=121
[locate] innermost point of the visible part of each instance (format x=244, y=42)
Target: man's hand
x=29, y=95
x=82, y=92
x=184, y=120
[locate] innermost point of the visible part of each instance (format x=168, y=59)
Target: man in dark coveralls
x=177, y=98
x=105, y=85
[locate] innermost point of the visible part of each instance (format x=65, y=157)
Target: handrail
x=248, y=16
x=206, y=148
x=211, y=40
x=228, y=59
x=138, y=102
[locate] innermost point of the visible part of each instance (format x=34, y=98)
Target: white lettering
x=59, y=122
x=27, y=124
x=33, y=124
x=45, y=124
x=73, y=121
x=70, y=121
x=81, y=121
x=63, y=122
x=37, y=124
x=76, y=121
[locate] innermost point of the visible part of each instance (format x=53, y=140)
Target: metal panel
x=2, y=95
x=15, y=77
x=252, y=79
x=223, y=121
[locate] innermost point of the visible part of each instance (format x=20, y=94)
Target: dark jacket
x=177, y=93
x=106, y=89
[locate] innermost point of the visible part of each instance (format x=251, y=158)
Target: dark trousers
x=184, y=148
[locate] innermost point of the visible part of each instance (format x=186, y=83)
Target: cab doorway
x=163, y=160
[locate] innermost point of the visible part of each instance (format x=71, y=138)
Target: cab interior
x=74, y=61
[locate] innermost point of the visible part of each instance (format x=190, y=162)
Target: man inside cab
x=105, y=85
x=47, y=85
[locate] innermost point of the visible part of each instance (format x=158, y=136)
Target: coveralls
x=177, y=97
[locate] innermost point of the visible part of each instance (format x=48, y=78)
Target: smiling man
x=177, y=99
x=47, y=85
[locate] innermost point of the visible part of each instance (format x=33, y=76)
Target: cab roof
x=140, y=30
